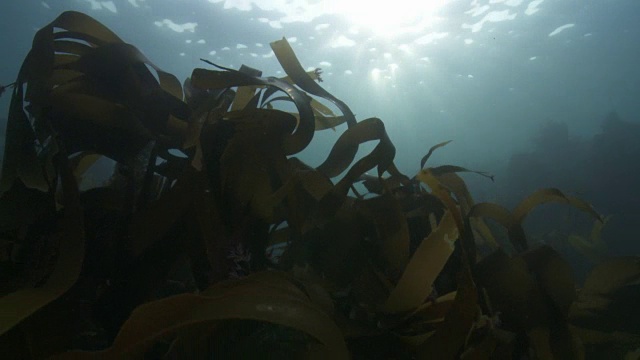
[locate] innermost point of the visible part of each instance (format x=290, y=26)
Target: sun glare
x=391, y=18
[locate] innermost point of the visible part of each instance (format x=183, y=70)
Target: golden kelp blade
x=22, y=303
x=70, y=58
x=601, y=303
x=512, y=221
x=503, y=217
x=431, y=150
x=509, y=284
x=249, y=191
x=267, y=296
x=386, y=215
x=442, y=193
x=294, y=70
x=550, y=195
x=554, y=275
x=425, y=265
x=452, y=334
x=244, y=94
x=208, y=79
x=254, y=163
x=594, y=248
x=533, y=292
x=345, y=149
x=482, y=231
x=325, y=117
x=82, y=162
x=347, y=145
x=82, y=24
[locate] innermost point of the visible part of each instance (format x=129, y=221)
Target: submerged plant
x=5, y=87
x=206, y=186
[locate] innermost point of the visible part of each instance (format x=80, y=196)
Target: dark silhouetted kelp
x=211, y=238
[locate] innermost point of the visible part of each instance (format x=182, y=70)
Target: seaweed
x=211, y=238
x=3, y=88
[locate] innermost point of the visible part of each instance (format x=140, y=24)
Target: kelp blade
x=257, y=297
x=20, y=304
x=425, y=265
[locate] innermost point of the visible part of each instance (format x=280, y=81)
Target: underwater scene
x=320, y=179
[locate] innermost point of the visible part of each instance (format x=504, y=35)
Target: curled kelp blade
x=482, y=233
x=117, y=73
x=431, y=150
x=448, y=169
x=398, y=178
x=322, y=109
x=593, y=248
x=80, y=23
x=139, y=89
x=324, y=117
x=73, y=56
x=73, y=27
x=543, y=196
x=502, y=216
x=301, y=137
x=244, y=98
x=269, y=297
x=458, y=188
x=512, y=221
x=287, y=58
x=378, y=185
x=79, y=26
x=345, y=149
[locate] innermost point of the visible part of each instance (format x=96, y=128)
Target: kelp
x=270, y=297
x=427, y=262
x=592, y=248
x=211, y=232
x=512, y=221
x=3, y=88
x=26, y=301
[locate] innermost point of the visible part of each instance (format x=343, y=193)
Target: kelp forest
x=211, y=239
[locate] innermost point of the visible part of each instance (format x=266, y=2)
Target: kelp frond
x=210, y=231
x=5, y=87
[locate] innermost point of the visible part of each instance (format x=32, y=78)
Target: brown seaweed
x=3, y=88
x=210, y=230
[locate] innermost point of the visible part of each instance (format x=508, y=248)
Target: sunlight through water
x=391, y=18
